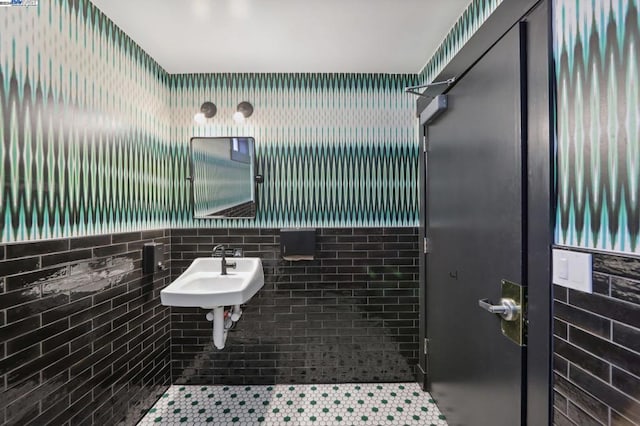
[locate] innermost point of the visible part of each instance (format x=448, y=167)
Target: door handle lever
x=488, y=306
x=507, y=309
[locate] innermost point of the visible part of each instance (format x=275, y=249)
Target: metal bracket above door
x=436, y=107
x=414, y=89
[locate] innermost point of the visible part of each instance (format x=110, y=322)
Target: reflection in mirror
x=223, y=177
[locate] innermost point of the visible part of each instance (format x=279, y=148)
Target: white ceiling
x=191, y=36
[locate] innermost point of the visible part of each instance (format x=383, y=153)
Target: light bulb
x=200, y=118
x=238, y=117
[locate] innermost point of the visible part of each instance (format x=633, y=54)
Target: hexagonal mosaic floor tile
x=331, y=404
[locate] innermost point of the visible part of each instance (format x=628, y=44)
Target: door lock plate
x=515, y=329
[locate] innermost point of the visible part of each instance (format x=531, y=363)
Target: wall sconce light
x=207, y=110
x=244, y=110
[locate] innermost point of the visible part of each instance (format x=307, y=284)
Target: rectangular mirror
x=223, y=177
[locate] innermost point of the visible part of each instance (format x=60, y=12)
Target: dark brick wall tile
x=621, y=311
x=35, y=307
x=109, y=250
x=601, y=283
x=628, y=337
x=89, y=242
x=560, y=402
x=313, y=321
x=25, y=414
x=36, y=248
x=73, y=315
x=626, y=382
x=618, y=419
x=66, y=257
x=625, y=289
x=126, y=237
x=35, y=336
x=12, y=298
x=19, y=328
x=18, y=266
x=37, y=277
x=560, y=293
x=46, y=394
x=598, y=362
x=580, y=417
x=560, y=329
x=613, y=398
x=9, y=363
x=153, y=234
x=616, y=265
x=592, y=323
x=24, y=372
x=606, y=350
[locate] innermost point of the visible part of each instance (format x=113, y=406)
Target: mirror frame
x=257, y=178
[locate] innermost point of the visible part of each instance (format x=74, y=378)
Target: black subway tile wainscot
x=71, y=335
x=597, y=359
x=313, y=321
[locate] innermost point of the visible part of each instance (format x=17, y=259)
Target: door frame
x=540, y=159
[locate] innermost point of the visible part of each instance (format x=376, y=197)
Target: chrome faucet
x=224, y=263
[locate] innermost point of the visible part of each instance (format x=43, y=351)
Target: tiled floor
x=340, y=404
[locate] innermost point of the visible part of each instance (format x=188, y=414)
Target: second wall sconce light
x=208, y=109
x=244, y=110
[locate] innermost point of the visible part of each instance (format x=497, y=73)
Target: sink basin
x=202, y=285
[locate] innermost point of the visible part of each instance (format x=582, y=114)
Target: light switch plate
x=572, y=269
x=562, y=268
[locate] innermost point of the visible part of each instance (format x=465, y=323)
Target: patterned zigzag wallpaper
x=597, y=58
x=95, y=134
x=472, y=18
x=84, y=126
x=596, y=51
x=335, y=149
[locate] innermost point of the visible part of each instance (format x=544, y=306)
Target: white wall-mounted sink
x=202, y=284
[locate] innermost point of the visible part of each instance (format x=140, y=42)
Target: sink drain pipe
x=222, y=322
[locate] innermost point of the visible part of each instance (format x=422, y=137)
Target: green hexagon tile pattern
x=323, y=404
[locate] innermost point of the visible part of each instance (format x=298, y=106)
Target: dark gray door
x=474, y=198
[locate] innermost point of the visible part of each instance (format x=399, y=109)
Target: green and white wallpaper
x=472, y=18
x=597, y=61
x=335, y=149
x=84, y=126
x=95, y=135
